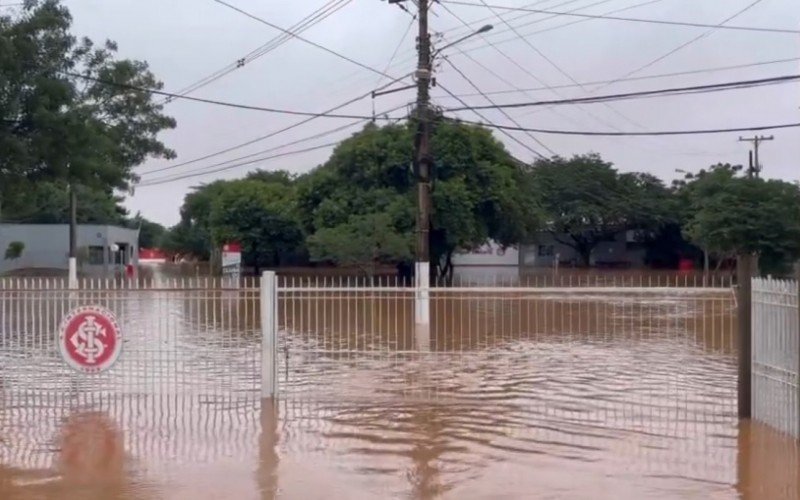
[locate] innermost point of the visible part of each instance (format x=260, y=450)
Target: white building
x=102, y=250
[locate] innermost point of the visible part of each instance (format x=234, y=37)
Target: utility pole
x=746, y=268
x=422, y=168
x=423, y=163
x=422, y=171
x=422, y=154
x=755, y=165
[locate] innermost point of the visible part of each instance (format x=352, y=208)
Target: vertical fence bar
x=269, y=335
x=744, y=271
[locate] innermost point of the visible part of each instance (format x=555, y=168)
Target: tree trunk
x=447, y=272
x=585, y=252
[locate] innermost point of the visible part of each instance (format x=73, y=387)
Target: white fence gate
x=776, y=354
x=186, y=337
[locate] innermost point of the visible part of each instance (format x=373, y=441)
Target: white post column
x=269, y=335
x=422, y=309
x=73, y=273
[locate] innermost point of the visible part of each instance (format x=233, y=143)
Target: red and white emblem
x=89, y=339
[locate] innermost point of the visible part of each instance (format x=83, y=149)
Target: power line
x=645, y=93
x=399, y=44
x=629, y=19
x=539, y=142
x=275, y=148
x=639, y=78
x=319, y=15
x=512, y=61
x=409, y=58
x=504, y=132
x=558, y=68
x=290, y=127
x=636, y=134
x=294, y=35
x=571, y=23
x=211, y=101
x=167, y=179
x=686, y=44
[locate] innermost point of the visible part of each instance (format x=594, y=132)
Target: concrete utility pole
x=423, y=162
x=422, y=154
x=755, y=165
x=422, y=166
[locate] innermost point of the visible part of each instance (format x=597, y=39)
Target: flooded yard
x=518, y=395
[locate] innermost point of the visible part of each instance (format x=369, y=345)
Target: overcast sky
x=185, y=40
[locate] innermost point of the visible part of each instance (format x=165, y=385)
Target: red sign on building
x=90, y=339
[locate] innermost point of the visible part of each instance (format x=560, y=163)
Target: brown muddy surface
x=517, y=395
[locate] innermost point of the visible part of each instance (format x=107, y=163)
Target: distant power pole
x=755, y=165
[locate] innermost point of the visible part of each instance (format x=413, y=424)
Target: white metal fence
x=180, y=336
x=607, y=352
x=337, y=336
x=627, y=355
x=776, y=354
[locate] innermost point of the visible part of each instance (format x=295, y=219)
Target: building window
x=545, y=250
x=96, y=256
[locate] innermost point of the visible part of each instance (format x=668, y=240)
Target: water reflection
x=84, y=458
x=381, y=448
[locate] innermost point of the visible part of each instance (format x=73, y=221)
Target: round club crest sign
x=89, y=339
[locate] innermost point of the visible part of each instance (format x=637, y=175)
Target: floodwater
x=566, y=395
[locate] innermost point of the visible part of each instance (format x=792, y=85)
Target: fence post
x=72, y=274
x=422, y=310
x=797, y=283
x=744, y=276
x=269, y=335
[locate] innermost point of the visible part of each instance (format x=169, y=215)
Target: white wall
x=489, y=254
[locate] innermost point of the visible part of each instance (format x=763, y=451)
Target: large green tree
x=260, y=216
x=69, y=113
x=47, y=202
x=258, y=211
x=587, y=201
x=731, y=214
x=366, y=192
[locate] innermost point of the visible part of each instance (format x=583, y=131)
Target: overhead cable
x=281, y=146
x=639, y=78
x=509, y=117
x=289, y=127
x=319, y=15
x=213, y=101
x=636, y=134
x=510, y=136
x=716, y=87
x=629, y=19
x=306, y=40
x=173, y=178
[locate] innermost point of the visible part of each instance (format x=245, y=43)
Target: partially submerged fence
x=776, y=354
x=179, y=336
x=624, y=353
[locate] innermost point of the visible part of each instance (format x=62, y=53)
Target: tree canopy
x=586, y=201
x=731, y=214
x=69, y=115
x=366, y=192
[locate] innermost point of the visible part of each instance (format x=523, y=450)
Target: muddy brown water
x=546, y=397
